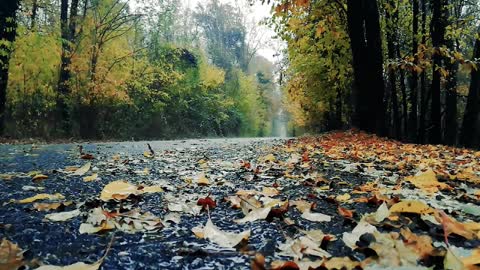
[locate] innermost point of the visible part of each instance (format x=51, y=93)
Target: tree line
x=118, y=69
x=407, y=69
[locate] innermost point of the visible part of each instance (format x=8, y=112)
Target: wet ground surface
x=174, y=166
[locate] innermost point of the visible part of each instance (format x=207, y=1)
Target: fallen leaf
x=39, y=177
x=422, y=245
x=427, y=181
x=202, y=180
x=302, y=206
x=258, y=262
x=343, y=198
x=63, y=216
x=416, y=207
x=256, y=214
x=316, y=217
x=118, y=190
x=344, y=212
x=221, y=238
x=87, y=156
x=472, y=262
x=43, y=196
x=50, y=206
x=11, y=256
x=90, y=178
x=350, y=239
x=82, y=170
x=452, y=262
x=302, y=246
x=75, y=266
x=207, y=203
x=450, y=225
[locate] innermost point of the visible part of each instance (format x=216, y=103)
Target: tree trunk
x=470, y=131
x=438, y=39
x=412, y=129
x=391, y=40
x=366, y=43
x=68, y=37
x=423, y=81
x=8, y=26
x=451, y=126
x=33, y=18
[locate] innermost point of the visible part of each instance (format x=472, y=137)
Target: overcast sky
x=258, y=13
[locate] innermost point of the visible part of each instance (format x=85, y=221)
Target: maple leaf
x=207, y=203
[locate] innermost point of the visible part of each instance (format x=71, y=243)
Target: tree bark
x=366, y=43
x=33, y=18
x=392, y=79
x=68, y=26
x=438, y=39
x=8, y=26
x=412, y=129
x=470, y=131
x=423, y=81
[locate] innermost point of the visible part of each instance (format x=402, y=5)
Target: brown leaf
x=11, y=256
x=258, y=263
x=344, y=212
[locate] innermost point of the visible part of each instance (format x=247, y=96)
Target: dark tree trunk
x=403, y=89
x=33, y=18
x=412, y=129
x=392, y=79
x=338, y=110
x=438, y=39
x=423, y=81
x=470, y=131
x=451, y=126
x=8, y=26
x=451, y=122
x=364, y=31
x=68, y=36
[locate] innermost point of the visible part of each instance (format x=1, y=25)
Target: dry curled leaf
x=11, y=256
x=43, y=196
x=221, y=238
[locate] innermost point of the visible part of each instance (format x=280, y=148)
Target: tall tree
x=438, y=25
x=8, y=26
x=366, y=44
x=423, y=81
x=67, y=26
x=412, y=134
x=470, y=132
x=390, y=16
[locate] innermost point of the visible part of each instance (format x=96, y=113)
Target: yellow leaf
x=90, y=178
x=118, y=190
x=416, y=207
x=147, y=154
x=39, y=177
x=43, y=196
x=427, y=181
x=473, y=260
x=202, y=180
x=83, y=170
x=343, y=198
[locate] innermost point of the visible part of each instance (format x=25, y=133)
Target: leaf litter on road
x=343, y=199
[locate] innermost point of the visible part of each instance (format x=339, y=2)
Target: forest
x=103, y=69
x=405, y=69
